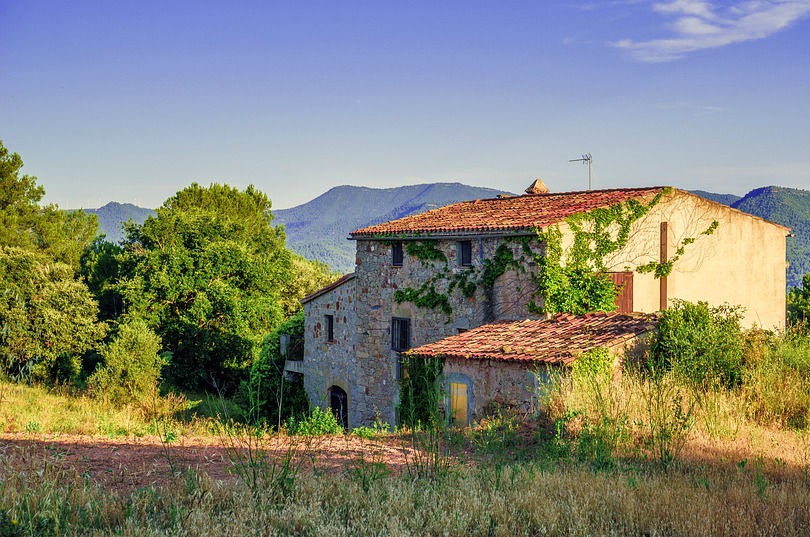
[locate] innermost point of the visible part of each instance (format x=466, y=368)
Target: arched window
x=339, y=403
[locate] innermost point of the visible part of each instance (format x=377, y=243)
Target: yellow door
x=458, y=403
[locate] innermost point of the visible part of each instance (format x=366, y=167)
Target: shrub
x=268, y=395
x=798, y=304
x=131, y=366
x=419, y=391
x=777, y=385
x=318, y=422
x=701, y=345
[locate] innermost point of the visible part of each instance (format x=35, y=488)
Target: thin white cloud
x=697, y=109
x=699, y=25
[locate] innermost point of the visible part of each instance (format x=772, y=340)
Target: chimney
x=537, y=187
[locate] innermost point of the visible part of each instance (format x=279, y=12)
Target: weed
x=319, y=422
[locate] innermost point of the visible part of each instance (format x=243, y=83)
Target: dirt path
x=126, y=464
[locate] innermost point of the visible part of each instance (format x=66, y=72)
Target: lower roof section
x=559, y=339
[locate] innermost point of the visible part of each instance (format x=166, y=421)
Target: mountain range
x=319, y=228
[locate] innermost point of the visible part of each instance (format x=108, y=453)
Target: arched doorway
x=339, y=403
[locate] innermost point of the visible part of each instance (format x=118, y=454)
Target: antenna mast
x=586, y=159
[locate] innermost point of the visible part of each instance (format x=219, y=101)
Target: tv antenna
x=586, y=159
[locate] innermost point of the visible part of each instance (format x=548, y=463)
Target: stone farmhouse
x=456, y=283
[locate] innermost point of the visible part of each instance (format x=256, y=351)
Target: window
x=464, y=253
x=330, y=327
x=400, y=334
x=396, y=254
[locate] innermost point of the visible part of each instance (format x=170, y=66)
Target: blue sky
x=134, y=101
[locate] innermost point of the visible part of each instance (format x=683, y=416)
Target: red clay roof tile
x=505, y=214
x=557, y=340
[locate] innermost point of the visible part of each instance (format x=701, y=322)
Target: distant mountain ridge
x=319, y=229
x=112, y=216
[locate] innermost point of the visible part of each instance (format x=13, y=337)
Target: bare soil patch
x=127, y=464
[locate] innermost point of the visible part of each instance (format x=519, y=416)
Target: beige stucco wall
x=741, y=263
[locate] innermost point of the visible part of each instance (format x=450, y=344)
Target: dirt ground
x=126, y=464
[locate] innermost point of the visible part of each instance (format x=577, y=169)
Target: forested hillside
x=789, y=207
x=319, y=229
x=113, y=215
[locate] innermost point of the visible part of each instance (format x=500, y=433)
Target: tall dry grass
x=37, y=497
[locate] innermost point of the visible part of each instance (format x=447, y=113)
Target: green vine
x=662, y=269
x=425, y=297
x=576, y=281
x=467, y=282
x=425, y=251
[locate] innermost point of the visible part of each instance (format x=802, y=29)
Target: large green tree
x=48, y=317
x=211, y=275
x=62, y=235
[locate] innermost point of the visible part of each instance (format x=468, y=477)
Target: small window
x=464, y=251
x=330, y=327
x=396, y=254
x=400, y=334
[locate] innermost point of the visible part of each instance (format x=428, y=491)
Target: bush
x=319, y=422
x=777, y=384
x=798, y=305
x=701, y=345
x=268, y=395
x=131, y=367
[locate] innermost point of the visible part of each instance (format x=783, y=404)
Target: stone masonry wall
x=334, y=363
x=377, y=280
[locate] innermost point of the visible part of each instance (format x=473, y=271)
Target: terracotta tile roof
x=504, y=214
x=325, y=289
x=557, y=340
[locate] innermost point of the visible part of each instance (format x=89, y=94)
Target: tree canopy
x=62, y=235
x=211, y=275
x=48, y=318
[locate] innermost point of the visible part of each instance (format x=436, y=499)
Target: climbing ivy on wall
x=466, y=281
x=576, y=281
x=573, y=281
x=419, y=391
x=662, y=269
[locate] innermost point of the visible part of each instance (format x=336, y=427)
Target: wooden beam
x=663, y=257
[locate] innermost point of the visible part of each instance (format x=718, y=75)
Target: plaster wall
x=741, y=263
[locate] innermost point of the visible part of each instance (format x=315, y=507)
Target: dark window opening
x=330, y=327
x=339, y=404
x=465, y=253
x=400, y=334
x=396, y=254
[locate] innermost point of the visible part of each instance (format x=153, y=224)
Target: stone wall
x=495, y=383
x=377, y=280
x=332, y=363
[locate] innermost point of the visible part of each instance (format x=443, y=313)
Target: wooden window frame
x=329, y=320
x=397, y=254
x=464, y=253
x=400, y=342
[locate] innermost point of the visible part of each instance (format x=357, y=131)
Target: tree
x=270, y=396
x=211, y=276
x=62, y=235
x=47, y=316
x=798, y=303
x=132, y=364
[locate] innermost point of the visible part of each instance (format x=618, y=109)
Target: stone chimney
x=537, y=187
